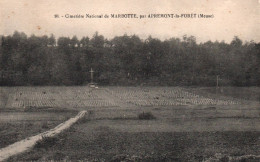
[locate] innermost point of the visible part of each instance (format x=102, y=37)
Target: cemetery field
x=185, y=123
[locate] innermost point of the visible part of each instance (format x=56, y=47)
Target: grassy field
x=191, y=124
x=102, y=143
x=15, y=126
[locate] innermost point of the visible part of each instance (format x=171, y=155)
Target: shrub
x=45, y=125
x=146, y=116
x=46, y=142
x=83, y=120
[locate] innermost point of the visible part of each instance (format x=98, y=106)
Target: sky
x=231, y=18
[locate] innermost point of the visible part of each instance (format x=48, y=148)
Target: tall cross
x=91, y=75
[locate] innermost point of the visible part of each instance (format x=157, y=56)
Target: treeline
x=127, y=60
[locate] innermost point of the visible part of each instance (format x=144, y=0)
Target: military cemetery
x=129, y=81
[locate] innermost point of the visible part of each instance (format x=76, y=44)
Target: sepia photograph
x=130, y=81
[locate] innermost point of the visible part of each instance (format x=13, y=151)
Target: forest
x=127, y=60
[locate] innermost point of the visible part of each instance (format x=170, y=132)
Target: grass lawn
x=245, y=93
x=15, y=126
x=105, y=143
x=117, y=135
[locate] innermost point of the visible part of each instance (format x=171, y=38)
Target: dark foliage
x=146, y=116
x=127, y=60
x=46, y=142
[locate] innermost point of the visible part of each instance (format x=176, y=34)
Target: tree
x=74, y=42
x=51, y=40
x=127, y=60
x=84, y=41
x=97, y=40
x=63, y=42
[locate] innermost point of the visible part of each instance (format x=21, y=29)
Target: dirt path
x=28, y=143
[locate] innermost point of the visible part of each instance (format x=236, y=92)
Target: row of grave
x=87, y=97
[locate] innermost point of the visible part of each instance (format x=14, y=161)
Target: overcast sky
x=231, y=18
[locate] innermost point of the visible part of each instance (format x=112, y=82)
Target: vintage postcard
x=131, y=80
